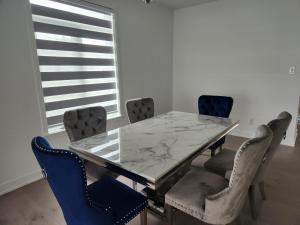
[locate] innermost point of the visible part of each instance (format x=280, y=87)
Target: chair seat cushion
x=190, y=192
x=124, y=202
x=221, y=162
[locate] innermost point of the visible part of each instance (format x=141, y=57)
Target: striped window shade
x=77, y=58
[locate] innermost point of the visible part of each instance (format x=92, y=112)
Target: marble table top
x=153, y=147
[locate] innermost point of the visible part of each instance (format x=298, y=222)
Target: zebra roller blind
x=77, y=58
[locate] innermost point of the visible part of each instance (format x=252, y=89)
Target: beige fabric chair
x=83, y=123
x=222, y=163
x=207, y=196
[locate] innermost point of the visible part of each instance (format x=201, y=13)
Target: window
x=77, y=58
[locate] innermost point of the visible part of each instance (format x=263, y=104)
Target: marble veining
x=153, y=147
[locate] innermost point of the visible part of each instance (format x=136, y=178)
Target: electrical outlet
x=292, y=70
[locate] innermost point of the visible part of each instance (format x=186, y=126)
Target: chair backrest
x=279, y=127
x=225, y=206
x=211, y=105
x=140, y=109
x=66, y=176
x=83, y=123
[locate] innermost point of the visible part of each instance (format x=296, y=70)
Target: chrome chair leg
x=143, y=217
x=212, y=152
x=134, y=185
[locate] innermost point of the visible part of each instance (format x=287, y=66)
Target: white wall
x=243, y=49
x=142, y=31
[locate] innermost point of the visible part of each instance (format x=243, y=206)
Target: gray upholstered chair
x=83, y=123
x=222, y=163
x=140, y=109
x=208, y=196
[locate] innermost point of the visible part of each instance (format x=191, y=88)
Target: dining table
x=154, y=151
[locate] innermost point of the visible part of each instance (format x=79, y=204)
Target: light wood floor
x=35, y=204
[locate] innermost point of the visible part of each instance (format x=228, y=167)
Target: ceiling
x=177, y=4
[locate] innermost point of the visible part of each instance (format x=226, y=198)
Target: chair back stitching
x=80, y=162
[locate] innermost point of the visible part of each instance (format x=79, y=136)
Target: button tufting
x=87, y=118
x=140, y=109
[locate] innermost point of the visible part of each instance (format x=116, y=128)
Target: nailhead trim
x=184, y=208
x=80, y=162
x=132, y=214
x=238, y=156
x=233, y=177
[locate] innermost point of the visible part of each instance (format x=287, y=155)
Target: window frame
x=35, y=61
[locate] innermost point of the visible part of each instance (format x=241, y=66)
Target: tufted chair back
x=140, y=109
x=66, y=176
x=83, y=123
x=225, y=206
x=211, y=105
x=219, y=106
x=279, y=127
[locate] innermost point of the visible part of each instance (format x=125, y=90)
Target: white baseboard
x=14, y=184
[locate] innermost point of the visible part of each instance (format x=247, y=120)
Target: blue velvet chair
x=105, y=202
x=219, y=106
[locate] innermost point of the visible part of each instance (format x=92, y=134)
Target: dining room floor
x=35, y=204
